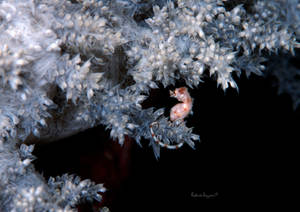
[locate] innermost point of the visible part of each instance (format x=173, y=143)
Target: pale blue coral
x=66, y=66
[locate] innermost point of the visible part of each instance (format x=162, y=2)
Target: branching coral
x=66, y=66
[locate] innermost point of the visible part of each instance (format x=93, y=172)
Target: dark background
x=247, y=153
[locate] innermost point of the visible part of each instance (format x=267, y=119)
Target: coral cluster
x=69, y=65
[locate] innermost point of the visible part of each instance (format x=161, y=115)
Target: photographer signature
x=204, y=195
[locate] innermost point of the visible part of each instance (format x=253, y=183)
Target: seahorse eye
x=181, y=90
